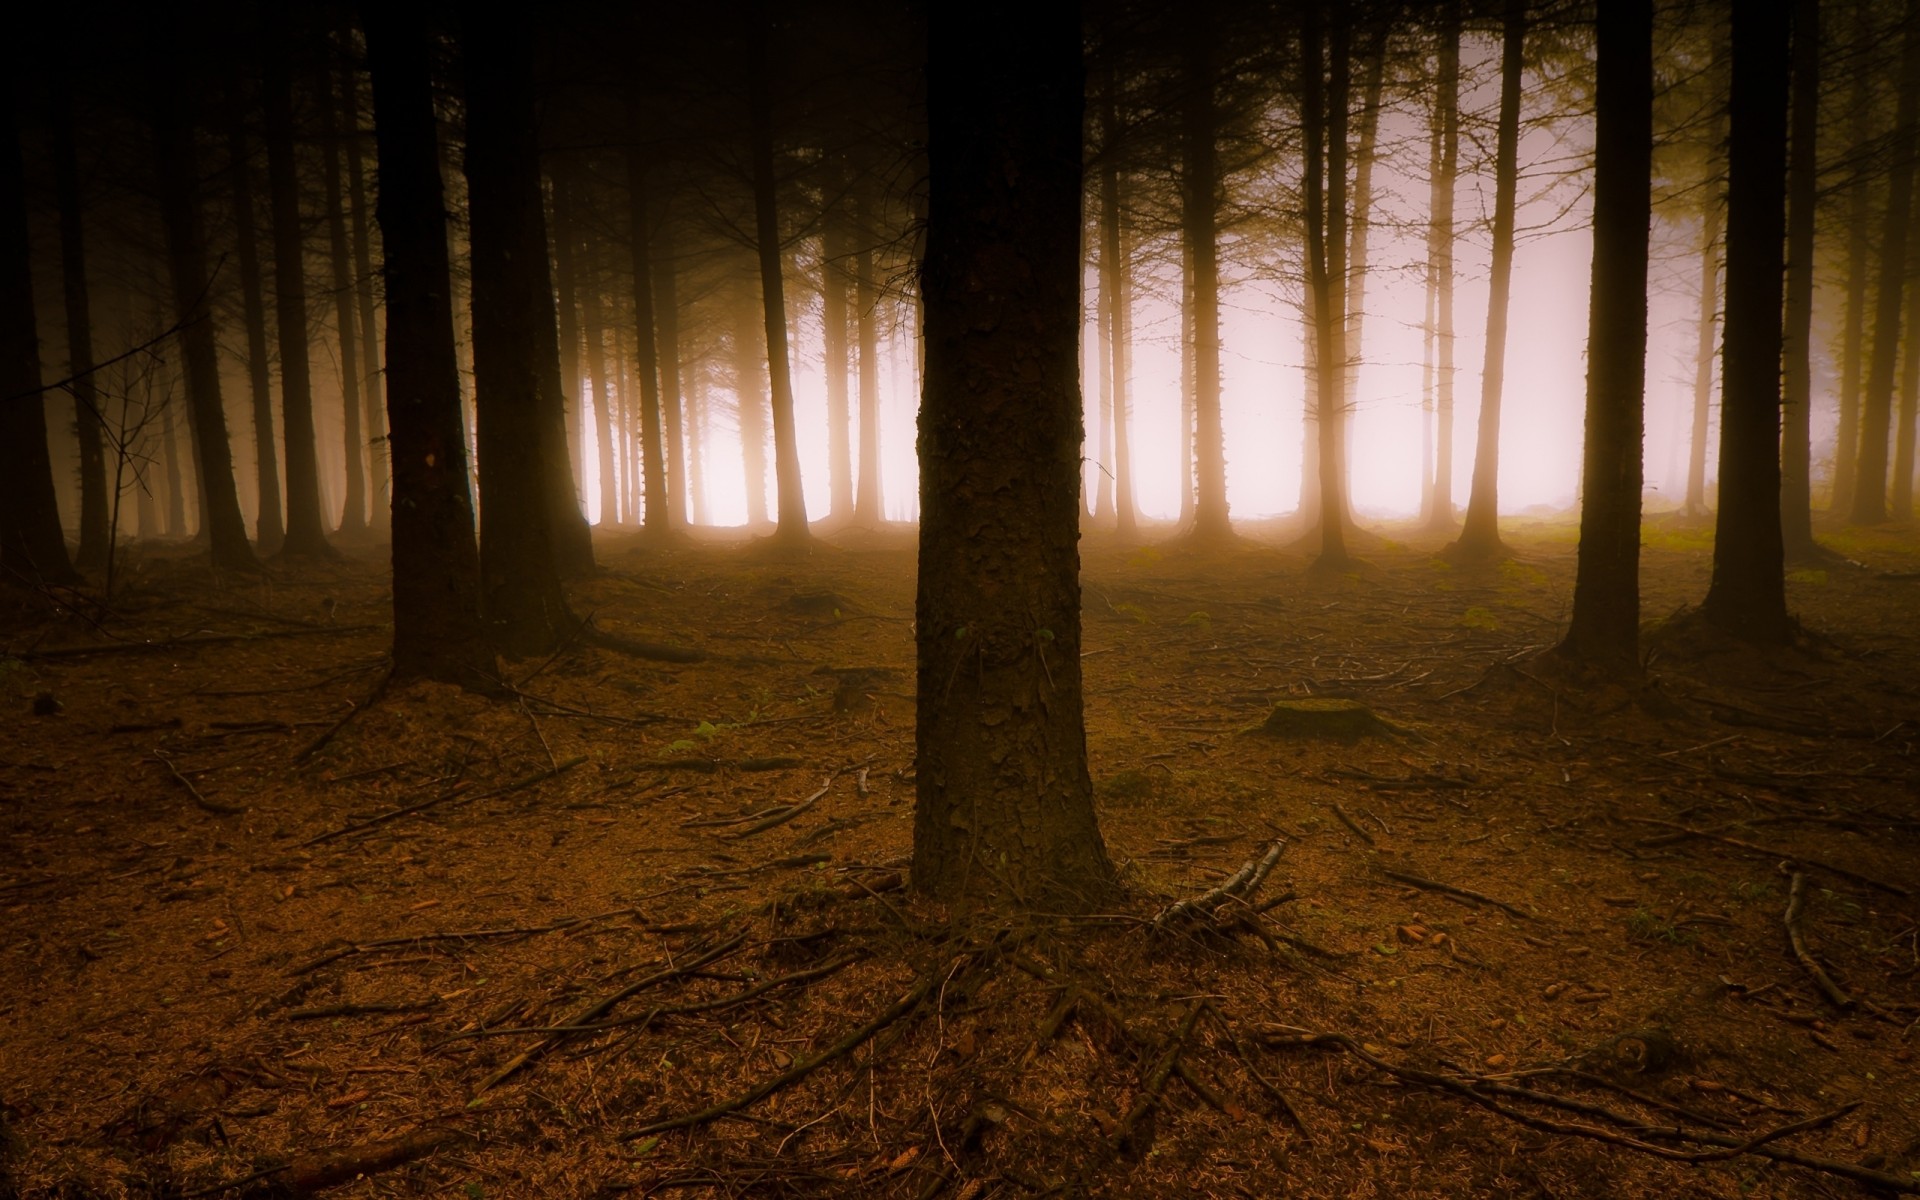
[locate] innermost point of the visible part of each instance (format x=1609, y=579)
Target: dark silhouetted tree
x=88, y=424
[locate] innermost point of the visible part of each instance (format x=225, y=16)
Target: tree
x=95, y=544
x=1199, y=227
x=353, y=517
x=1748, y=594
x=269, y=530
x=1004, y=801
x=657, y=514
x=1440, y=512
x=1323, y=121
x=306, y=530
x=1605, y=628
x=1876, y=409
x=1803, y=169
x=179, y=181
x=1116, y=299
x=437, y=632
x=526, y=610
x=866, y=298
x=31, y=543
x=1480, y=530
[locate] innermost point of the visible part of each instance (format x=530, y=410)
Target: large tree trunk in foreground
x=1480, y=530
x=179, y=182
x=1440, y=511
x=437, y=631
x=1605, y=628
x=88, y=423
x=791, y=506
x=1803, y=168
x=353, y=516
x=1870, y=473
x=32, y=546
x=1199, y=228
x=1004, y=802
x=525, y=608
x=269, y=529
x=1748, y=595
x=306, y=528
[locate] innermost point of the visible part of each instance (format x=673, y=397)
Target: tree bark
x=834, y=238
x=568, y=311
x=1803, y=169
x=1324, y=127
x=1440, y=509
x=749, y=365
x=179, y=182
x=371, y=376
x=1900, y=508
x=1703, y=357
x=32, y=545
x=306, y=528
x=353, y=517
x=656, y=509
x=1480, y=531
x=1605, y=627
x=595, y=376
x=1870, y=473
x=666, y=324
x=89, y=426
x=1860, y=106
x=791, y=499
x=1004, y=802
x=1116, y=297
x=1199, y=226
x=437, y=630
x=1360, y=227
x=269, y=528
x=867, y=498
x=1748, y=594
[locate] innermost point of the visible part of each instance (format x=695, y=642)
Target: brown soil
x=201, y=984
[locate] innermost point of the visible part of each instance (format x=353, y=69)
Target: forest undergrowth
x=641, y=927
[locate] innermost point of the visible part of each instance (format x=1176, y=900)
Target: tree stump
x=1324, y=718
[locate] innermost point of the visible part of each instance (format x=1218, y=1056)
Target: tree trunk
x=1901, y=507
x=568, y=311
x=749, y=366
x=792, y=500
x=866, y=502
x=371, y=376
x=1116, y=297
x=1428, y=339
x=1004, y=801
x=834, y=249
x=1846, y=442
x=89, y=426
x=437, y=630
x=594, y=376
x=1440, y=233
x=269, y=529
x=177, y=526
x=1748, y=594
x=1605, y=628
x=1323, y=112
x=306, y=528
x=1870, y=473
x=1359, y=229
x=1199, y=226
x=1803, y=168
x=1188, y=353
x=32, y=545
x=179, y=182
x=353, y=518
x=666, y=324
x=696, y=450
x=526, y=610
x=1480, y=531
x=1703, y=358
x=646, y=361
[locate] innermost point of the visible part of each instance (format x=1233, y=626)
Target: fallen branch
x=799, y=1070
x=359, y=1010
x=1771, y=852
x=206, y=639
x=1796, y=898
x=1156, y=1081
x=1434, y=885
x=353, y=710
x=1347, y=820
x=310, y=1173
x=1238, y=887
x=788, y=813
x=517, y=785
x=458, y=935
x=200, y=801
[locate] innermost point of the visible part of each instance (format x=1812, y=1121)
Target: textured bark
x=1876, y=408
x=1605, y=628
x=791, y=499
x=1748, y=594
x=437, y=630
x=657, y=512
x=269, y=528
x=179, y=182
x=1480, y=530
x=353, y=517
x=1440, y=509
x=32, y=545
x=1696, y=504
x=306, y=529
x=89, y=427
x=1004, y=802
x=1199, y=228
x=866, y=297
x=1803, y=169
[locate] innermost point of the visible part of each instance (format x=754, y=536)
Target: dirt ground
x=469, y=947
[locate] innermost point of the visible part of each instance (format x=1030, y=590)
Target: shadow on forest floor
x=500, y=948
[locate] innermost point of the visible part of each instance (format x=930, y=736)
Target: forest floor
x=250, y=950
